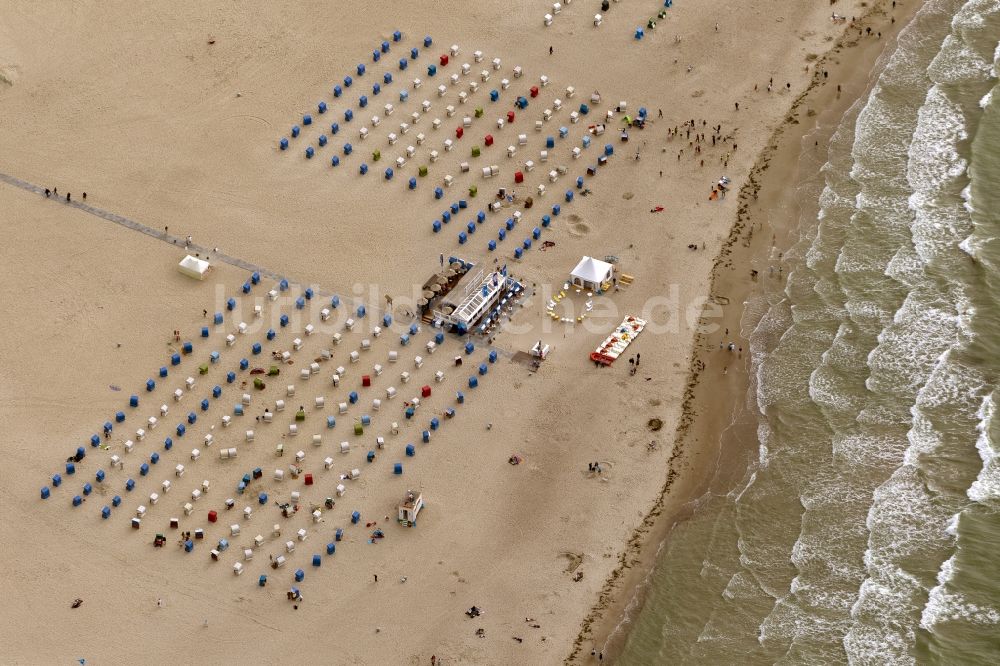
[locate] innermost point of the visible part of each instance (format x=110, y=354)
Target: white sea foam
x=741, y=584
x=737, y=494
x=905, y=266
x=944, y=605
x=868, y=449
x=825, y=390
x=973, y=14
x=913, y=358
x=908, y=349
x=957, y=62
x=939, y=222
x=869, y=312
x=881, y=415
x=763, y=455
x=898, y=523
x=905, y=521
x=923, y=439
x=931, y=612
x=971, y=246
x=986, y=487
x=846, y=353
x=987, y=99
x=967, y=198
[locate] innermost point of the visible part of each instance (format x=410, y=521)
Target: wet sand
x=717, y=434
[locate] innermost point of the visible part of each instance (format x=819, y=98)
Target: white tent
x=193, y=267
x=590, y=273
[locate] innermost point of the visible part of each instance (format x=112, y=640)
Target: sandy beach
x=771, y=205
x=172, y=119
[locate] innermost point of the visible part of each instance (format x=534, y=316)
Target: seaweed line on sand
x=750, y=189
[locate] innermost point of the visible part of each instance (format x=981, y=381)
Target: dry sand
x=133, y=105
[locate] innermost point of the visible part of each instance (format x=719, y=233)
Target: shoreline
x=623, y=593
x=537, y=540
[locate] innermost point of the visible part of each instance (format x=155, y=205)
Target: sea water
x=866, y=528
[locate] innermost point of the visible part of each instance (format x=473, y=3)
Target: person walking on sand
x=47, y=193
x=550, y=50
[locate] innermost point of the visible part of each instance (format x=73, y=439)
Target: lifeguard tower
x=410, y=508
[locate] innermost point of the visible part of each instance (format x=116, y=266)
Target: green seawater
x=866, y=527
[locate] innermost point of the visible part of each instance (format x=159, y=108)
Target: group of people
x=633, y=363
x=54, y=192
x=700, y=139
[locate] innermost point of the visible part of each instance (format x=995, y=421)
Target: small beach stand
x=194, y=267
x=593, y=274
x=410, y=507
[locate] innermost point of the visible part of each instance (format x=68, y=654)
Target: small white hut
x=194, y=267
x=592, y=273
x=410, y=508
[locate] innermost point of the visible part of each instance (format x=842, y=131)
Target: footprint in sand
x=9, y=75
x=574, y=561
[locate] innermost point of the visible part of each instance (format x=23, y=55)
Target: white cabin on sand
x=410, y=508
x=194, y=267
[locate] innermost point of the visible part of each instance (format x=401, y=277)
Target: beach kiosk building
x=410, y=508
x=593, y=274
x=194, y=267
x=473, y=297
